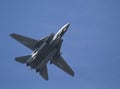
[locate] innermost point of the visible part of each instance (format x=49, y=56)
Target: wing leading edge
x=28, y=42
x=59, y=62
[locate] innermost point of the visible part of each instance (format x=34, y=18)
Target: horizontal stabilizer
x=63, y=65
x=43, y=72
x=28, y=42
x=22, y=59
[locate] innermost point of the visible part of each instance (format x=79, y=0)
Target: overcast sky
x=91, y=46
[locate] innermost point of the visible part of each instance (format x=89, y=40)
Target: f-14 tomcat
x=44, y=50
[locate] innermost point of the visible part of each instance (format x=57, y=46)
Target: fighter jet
x=44, y=50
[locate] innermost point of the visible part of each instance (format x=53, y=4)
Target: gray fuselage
x=45, y=52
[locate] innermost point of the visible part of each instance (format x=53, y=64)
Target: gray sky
x=91, y=46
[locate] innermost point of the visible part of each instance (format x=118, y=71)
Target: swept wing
x=60, y=62
x=28, y=42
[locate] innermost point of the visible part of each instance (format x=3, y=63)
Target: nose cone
x=65, y=27
x=62, y=31
x=68, y=24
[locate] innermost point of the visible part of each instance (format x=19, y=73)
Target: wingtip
x=72, y=74
x=11, y=34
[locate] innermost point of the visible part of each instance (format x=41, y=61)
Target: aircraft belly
x=45, y=52
x=47, y=58
x=41, y=52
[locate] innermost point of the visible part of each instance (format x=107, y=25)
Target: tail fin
x=22, y=59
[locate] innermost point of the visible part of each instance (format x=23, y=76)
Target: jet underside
x=44, y=50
